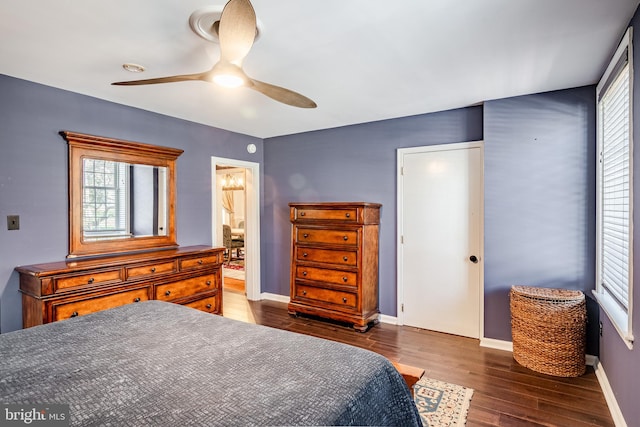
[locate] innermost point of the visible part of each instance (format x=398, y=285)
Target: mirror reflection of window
x=105, y=196
x=123, y=200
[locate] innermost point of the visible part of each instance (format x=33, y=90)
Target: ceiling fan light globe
x=228, y=80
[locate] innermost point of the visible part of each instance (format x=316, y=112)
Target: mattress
x=160, y=364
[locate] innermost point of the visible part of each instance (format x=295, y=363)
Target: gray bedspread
x=161, y=364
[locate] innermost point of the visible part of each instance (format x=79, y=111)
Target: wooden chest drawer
x=326, y=275
x=92, y=303
x=348, y=215
x=334, y=261
x=349, y=258
x=343, y=299
x=200, y=262
x=95, y=278
x=151, y=269
x=326, y=236
x=208, y=304
x=184, y=288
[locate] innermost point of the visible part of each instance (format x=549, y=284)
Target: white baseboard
x=385, y=318
x=497, y=344
x=275, y=297
x=612, y=403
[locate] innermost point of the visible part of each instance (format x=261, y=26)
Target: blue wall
x=33, y=172
x=539, y=199
x=354, y=163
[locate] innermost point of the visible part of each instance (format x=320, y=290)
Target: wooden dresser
x=55, y=291
x=334, y=261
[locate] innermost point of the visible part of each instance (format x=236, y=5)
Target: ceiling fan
x=236, y=31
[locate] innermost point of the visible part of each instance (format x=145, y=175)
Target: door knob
x=473, y=259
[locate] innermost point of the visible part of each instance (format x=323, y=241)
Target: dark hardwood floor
x=506, y=394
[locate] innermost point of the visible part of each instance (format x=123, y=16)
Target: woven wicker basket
x=548, y=327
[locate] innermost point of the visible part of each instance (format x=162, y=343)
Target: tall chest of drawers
x=59, y=290
x=334, y=261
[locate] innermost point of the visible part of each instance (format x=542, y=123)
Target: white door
x=440, y=229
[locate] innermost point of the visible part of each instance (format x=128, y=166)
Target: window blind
x=615, y=207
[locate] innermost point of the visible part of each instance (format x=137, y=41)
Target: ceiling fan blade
x=281, y=94
x=237, y=30
x=170, y=79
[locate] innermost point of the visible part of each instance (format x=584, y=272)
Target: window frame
x=620, y=318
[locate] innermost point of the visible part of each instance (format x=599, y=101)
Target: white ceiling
x=360, y=60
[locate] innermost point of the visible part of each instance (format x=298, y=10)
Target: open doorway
x=235, y=215
x=232, y=213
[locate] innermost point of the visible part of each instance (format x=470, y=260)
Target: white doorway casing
x=440, y=226
x=252, y=219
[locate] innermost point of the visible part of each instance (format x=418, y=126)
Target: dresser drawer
x=151, y=269
x=349, y=258
x=326, y=236
x=95, y=278
x=343, y=299
x=208, y=304
x=184, y=288
x=348, y=215
x=346, y=278
x=92, y=304
x=200, y=262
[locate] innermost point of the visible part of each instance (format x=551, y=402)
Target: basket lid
x=548, y=293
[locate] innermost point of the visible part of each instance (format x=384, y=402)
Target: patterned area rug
x=236, y=264
x=235, y=269
x=441, y=404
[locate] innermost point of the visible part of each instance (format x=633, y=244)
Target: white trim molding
x=385, y=318
x=275, y=297
x=612, y=403
x=496, y=344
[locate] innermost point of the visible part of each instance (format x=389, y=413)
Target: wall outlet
x=600, y=328
x=13, y=222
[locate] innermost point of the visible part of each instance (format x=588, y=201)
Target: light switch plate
x=13, y=222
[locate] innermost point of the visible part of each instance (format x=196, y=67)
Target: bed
x=162, y=364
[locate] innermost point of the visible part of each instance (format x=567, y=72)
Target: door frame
x=252, y=220
x=401, y=152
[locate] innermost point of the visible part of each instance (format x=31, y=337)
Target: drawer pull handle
x=305, y=235
x=304, y=292
x=208, y=306
x=344, y=299
x=345, y=259
x=302, y=213
x=74, y=314
x=91, y=280
x=153, y=269
x=208, y=282
x=344, y=278
x=137, y=299
x=304, y=273
x=345, y=238
x=348, y=215
x=304, y=255
x=200, y=261
x=167, y=293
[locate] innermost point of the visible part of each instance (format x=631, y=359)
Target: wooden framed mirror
x=121, y=195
